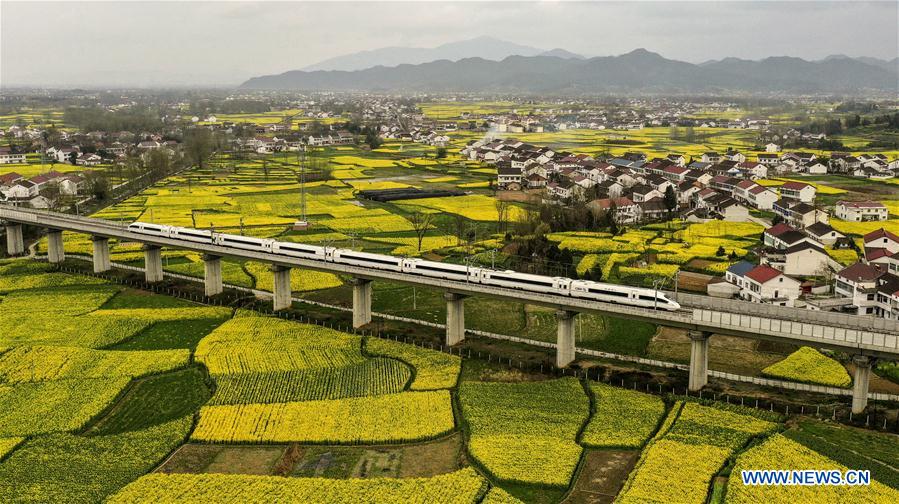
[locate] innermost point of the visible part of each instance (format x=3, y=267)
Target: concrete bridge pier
x=153, y=263
x=213, y=279
x=860, y=382
x=56, y=252
x=101, y=254
x=565, y=337
x=15, y=240
x=455, y=318
x=699, y=359
x=281, y=287
x=361, y=302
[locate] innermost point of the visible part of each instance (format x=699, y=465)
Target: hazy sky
x=223, y=43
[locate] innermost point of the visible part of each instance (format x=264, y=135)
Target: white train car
x=300, y=250
x=446, y=271
x=366, y=259
x=192, y=235
x=243, y=242
x=525, y=281
x=620, y=294
x=150, y=229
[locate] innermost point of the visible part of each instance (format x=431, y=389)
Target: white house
x=823, y=233
x=761, y=197
x=764, y=284
x=772, y=147
x=806, y=259
x=798, y=191
x=861, y=211
x=858, y=282
x=8, y=157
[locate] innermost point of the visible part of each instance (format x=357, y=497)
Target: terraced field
x=320, y=415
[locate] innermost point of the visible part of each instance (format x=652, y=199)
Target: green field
x=260, y=398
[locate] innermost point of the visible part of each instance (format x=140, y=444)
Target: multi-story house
x=861, y=211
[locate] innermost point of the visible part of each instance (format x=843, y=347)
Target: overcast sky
x=224, y=43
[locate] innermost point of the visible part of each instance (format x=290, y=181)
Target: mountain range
x=488, y=48
x=637, y=71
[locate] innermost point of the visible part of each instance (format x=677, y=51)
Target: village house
x=768, y=159
x=806, y=259
x=824, y=234
x=799, y=214
x=798, y=191
x=8, y=157
x=87, y=159
x=861, y=211
x=626, y=211
x=761, y=197
x=882, y=247
x=71, y=184
x=764, y=284
x=20, y=190
x=858, y=282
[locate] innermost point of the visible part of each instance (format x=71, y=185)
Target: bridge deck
x=858, y=335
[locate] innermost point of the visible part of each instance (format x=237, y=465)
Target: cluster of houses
x=16, y=189
x=724, y=185
x=790, y=258
x=267, y=145
x=423, y=134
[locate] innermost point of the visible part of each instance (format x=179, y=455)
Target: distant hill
x=561, y=53
x=482, y=47
x=639, y=70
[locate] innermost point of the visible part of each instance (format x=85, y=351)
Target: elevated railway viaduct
x=865, y=338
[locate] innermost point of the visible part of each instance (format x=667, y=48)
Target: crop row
x=623, y=418
x=433, y=369
x=368, y=378
x=460, y=487
x=407, y=416
x=526, y=432
x=693, y=444
x=781, y=453
x=251, y=344
x=60, y=405
x=85, y=469
x=40, y=363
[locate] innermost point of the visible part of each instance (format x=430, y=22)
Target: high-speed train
x=585, y=289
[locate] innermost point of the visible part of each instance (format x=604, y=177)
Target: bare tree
x=461, y=227
x=53, y=193
x=421, y=222
x=502, y=215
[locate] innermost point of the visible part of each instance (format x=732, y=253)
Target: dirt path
x=602, y=476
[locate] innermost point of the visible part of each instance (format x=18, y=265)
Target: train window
x=369, y=259
x=647, y=298
x=238, y=240
x=608, y=292
x=520, y=280
x=298, y=249
x=442, y=270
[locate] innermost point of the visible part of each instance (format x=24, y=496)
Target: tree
x=98, y=186
x=421, y=222
x=720, y=252
x=595, y=273
x=198, y=146
x=53, y=194
x=502, y=215
x=670, y=200
x=612, y=215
